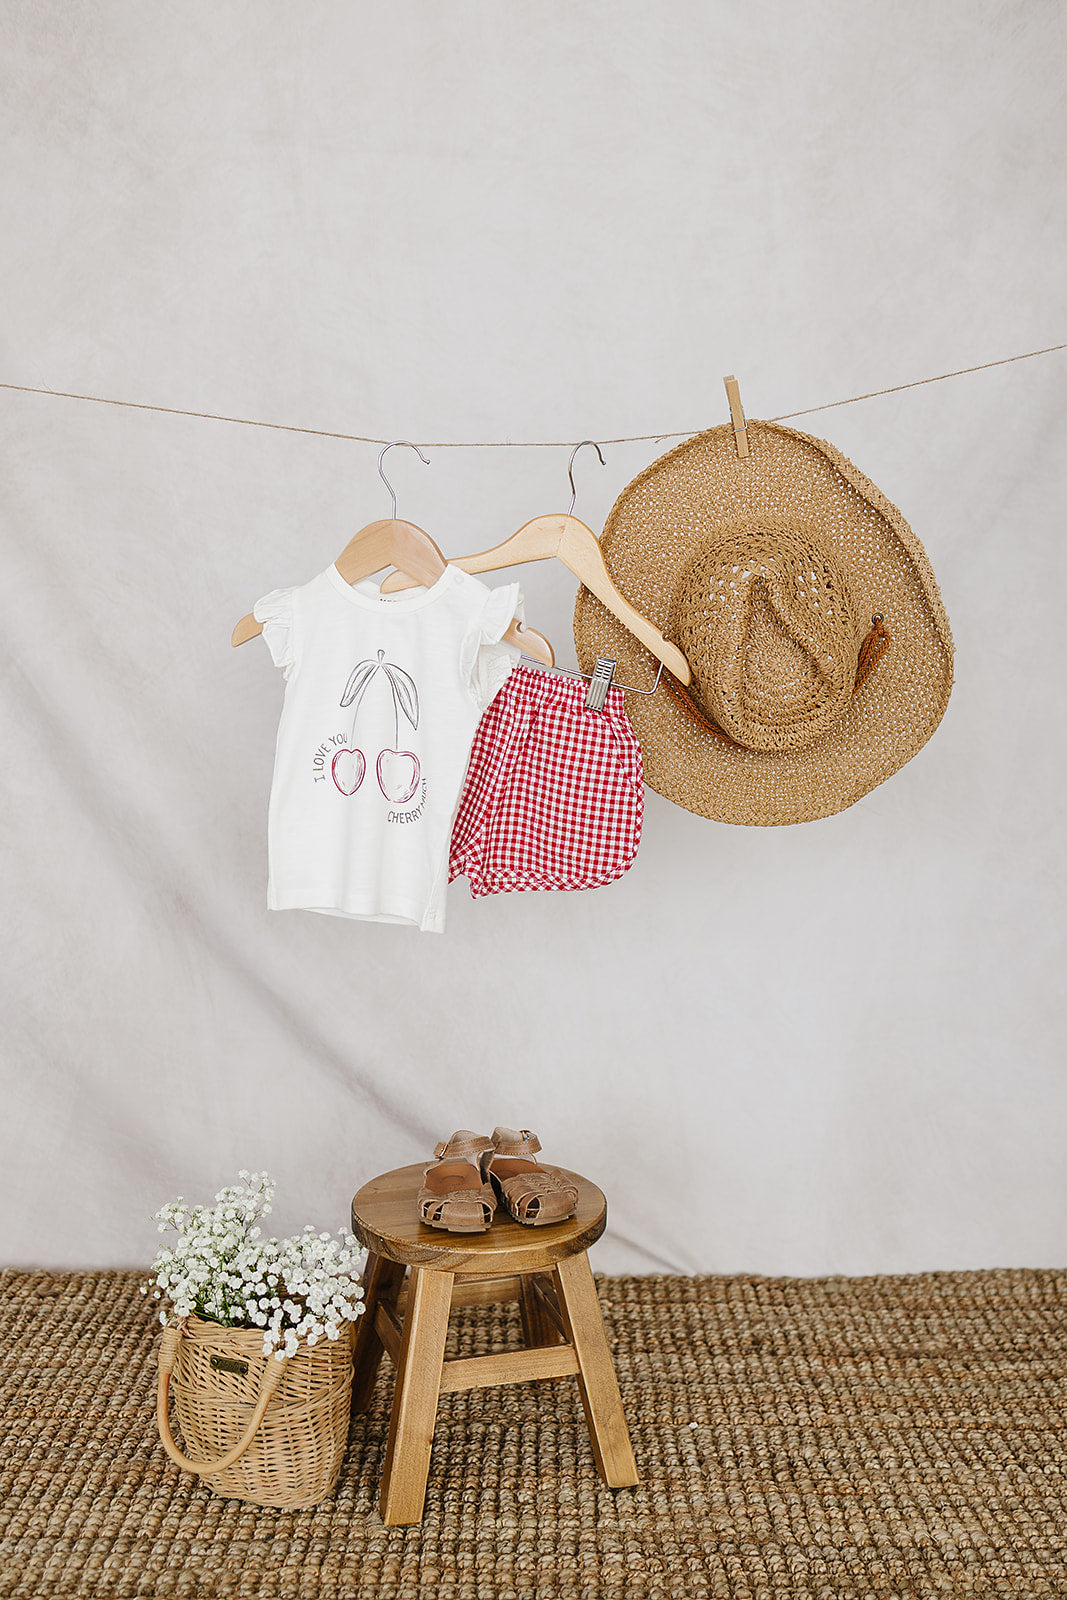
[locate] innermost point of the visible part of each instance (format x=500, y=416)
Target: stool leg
x=381, y=1285
x=596, y=1377
x=537, y=1325
x=418, y=1383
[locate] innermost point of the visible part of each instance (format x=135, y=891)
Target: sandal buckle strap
x=463, y=1146
x=515, y=1142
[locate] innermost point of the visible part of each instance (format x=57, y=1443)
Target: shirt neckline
x=393, y=603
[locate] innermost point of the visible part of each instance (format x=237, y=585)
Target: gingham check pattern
x=554, y=794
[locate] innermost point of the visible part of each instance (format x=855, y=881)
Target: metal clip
x=600, y=683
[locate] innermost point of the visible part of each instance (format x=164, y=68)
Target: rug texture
x=866, y=1437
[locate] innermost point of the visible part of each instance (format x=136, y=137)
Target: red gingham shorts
x=554, y=794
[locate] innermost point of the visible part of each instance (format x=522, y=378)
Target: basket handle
x=168, y=1354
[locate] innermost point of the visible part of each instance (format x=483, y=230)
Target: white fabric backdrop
x=835, y=1047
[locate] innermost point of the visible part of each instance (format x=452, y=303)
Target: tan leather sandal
x=532, y=1194
x=455, y=1195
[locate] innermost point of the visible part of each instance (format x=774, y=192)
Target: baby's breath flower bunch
x=301, y=1288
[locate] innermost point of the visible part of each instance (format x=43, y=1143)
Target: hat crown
x=772, y=634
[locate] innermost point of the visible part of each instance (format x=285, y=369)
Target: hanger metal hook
x=570, y=469
x=381, y=458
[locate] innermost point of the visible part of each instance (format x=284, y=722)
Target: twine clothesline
x=515, y=444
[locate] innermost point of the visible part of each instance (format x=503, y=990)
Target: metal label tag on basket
x=229, y=1364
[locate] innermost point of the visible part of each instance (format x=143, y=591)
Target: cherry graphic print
x=347, y=769
x=397, y=770
x=398, y=775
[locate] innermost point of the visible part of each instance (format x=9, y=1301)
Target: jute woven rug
x=866, y=1437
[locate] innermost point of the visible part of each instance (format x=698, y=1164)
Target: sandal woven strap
x=523, y=1187
x=463, y=1205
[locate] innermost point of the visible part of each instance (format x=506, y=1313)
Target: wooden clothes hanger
x=392, y=542
x=577, y=546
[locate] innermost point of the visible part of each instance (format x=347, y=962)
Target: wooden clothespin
x=737, y=415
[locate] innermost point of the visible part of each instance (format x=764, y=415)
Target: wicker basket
x=271, y=1432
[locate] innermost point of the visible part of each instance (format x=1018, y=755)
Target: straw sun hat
x=807, y=609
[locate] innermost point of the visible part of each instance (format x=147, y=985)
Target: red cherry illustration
x=347, y=769
x=398, y=775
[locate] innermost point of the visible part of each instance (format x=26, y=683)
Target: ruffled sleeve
x=485, y=658
x=275, y=612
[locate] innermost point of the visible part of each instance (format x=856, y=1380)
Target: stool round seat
x=416, y=1275
x=385, y=1218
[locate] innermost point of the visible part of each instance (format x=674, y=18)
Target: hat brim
x=666, y=517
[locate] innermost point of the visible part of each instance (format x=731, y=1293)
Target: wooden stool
x=545, y=1269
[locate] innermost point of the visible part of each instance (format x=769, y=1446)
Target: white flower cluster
x=301, y=1288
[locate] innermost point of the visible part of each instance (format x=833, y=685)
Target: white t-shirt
x=382, y=699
